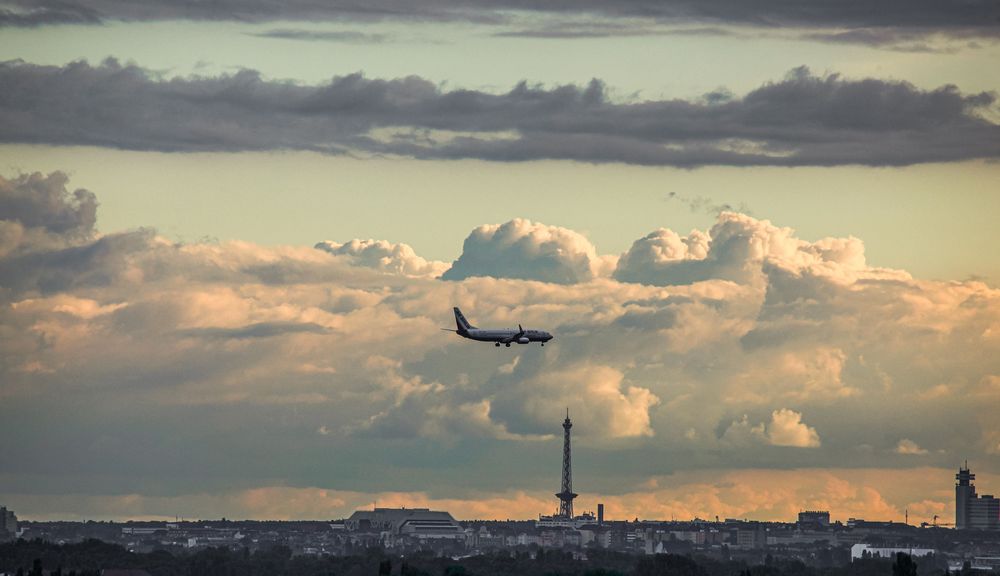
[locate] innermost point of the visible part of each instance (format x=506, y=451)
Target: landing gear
x=543, y=343
x=497, y=344
x=507, y=344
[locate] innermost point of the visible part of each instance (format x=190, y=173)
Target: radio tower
x=566, y=495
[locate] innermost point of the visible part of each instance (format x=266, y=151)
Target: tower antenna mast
x=566, y=494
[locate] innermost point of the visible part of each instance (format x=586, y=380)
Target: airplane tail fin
x=461, y=322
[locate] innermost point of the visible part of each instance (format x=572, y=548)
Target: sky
x=762, y=234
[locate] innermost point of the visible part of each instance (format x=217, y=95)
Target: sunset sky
x=764, y=235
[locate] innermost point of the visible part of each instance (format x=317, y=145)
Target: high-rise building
x=566, y=495
x=973, y=512
x=8, y=524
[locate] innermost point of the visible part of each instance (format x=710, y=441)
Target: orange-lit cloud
x=872, y=494
x=728, y=367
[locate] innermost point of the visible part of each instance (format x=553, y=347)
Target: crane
x=935, y=524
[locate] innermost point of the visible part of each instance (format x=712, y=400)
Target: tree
x=904, y=565
x=668, y=564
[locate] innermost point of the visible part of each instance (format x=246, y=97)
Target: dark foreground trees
x=88, y=558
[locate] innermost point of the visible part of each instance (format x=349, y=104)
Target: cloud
x=527, y=250
x=37, y=211
x=741, y=432
x=909, y=447
x=948, y=17
x=702, y=203
x=258, y=330
x=785, y=429
x=612, y=408
x=800, y=120
x=917, y=39
x=344, y=36
x=233, y=359
x=654, y=257
x=38, y=201
x=740, y=248
x=384, y=256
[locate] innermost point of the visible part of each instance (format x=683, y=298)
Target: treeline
x=88, y=558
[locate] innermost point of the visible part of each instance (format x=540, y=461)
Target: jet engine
x=523, y=340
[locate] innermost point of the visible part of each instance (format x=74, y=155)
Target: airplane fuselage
x=498, y=336
x=506, y=335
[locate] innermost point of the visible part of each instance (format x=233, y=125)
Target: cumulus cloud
x=800, y=120
x=527, y=250
x=38, y=201
x=384, y=256
x=38, y=211
x=787, y=429
x=330, y=369
x=658, y=251
x=909, y=447
x=740, y=248
x=593, y=393
x=784, y=429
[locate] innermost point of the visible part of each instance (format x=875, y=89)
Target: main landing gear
x=507, y=344
x=497, y=344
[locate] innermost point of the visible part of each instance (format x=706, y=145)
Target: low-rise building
x=869, y=551
x=406, y=523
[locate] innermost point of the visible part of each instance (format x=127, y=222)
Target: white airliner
x=498, y=336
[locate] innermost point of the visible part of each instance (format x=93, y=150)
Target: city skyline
x=762, y=240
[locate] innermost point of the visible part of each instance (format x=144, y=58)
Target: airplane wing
x=515, y=337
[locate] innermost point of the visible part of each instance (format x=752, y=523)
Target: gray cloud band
x=801, y=120
x=949, y=14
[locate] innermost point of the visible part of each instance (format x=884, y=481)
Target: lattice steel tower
x=566, y=495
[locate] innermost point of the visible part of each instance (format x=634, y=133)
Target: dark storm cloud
x=948, y=14
x=802, y=119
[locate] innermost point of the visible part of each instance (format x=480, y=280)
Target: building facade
x=413, y=523
x=974, y=512
x=8, y=524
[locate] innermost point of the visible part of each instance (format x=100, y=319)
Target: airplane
x=498, y=336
